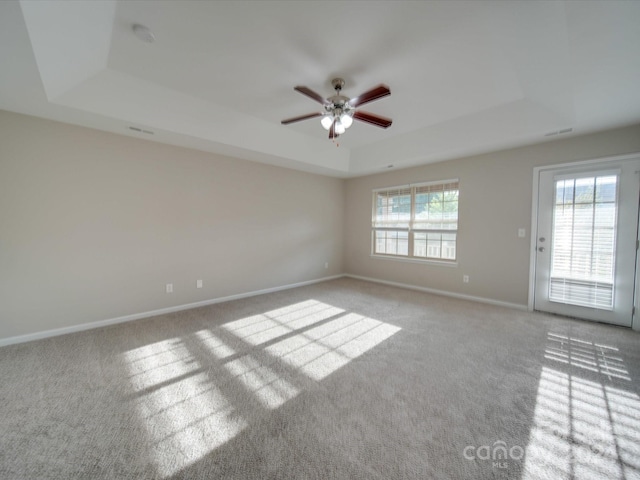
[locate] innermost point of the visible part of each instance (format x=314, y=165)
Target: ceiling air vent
x=559, y=132
x=140, y=130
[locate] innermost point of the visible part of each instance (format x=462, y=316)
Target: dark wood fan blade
x=370, y=95
x=376, y=120
x=300, y=118
x=310, y=93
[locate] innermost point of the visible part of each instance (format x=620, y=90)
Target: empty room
x=319, y=240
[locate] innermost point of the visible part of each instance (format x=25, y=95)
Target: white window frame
x=411, y=226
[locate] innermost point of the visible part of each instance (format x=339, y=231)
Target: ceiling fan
x=340, y=111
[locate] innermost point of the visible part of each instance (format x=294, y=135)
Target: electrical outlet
x=326, y=264
x=169, y=287
x=465, y=278
x=198, y=283
x=521, y=233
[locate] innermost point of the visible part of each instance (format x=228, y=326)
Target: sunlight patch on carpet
x=269, y=388
x=265, y=327
x=196, y=393
x=322, y=350
x=186, y=415
x=584, y=427
x=214, y=344
x=158, y=362
x=590, y=356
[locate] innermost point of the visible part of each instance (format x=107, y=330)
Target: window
x=416, y=221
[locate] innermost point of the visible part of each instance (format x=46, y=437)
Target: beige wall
x=93, y=225
x=495, y=200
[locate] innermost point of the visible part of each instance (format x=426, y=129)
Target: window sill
x=435, y=263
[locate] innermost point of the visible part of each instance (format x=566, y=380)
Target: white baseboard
x=152, y=313
x=445, y=293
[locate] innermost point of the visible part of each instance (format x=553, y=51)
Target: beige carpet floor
x=338, y=380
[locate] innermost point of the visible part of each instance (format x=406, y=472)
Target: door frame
x=635, y=321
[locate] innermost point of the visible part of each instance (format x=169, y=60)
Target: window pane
x=584, y=190
x=393, y=208
x=436, y=207
x=449, y=246
x=403, y=243
x=565, y=191
x=380, y=242
x=420, y=245
x=606, y=189
x=435, y=245
x=391, y=242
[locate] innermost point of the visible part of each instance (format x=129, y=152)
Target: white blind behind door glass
x=583, y=250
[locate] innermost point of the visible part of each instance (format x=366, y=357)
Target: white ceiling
x=465, y=77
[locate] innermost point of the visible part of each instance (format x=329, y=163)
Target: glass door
x=586, y=241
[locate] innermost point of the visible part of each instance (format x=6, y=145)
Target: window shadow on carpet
x=195, y=392
x=587, y=416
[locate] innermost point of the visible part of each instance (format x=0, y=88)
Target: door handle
x=541, y=249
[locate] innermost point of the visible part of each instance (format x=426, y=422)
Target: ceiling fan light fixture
x=339, y=128
x=326, y=122
x=346, y=120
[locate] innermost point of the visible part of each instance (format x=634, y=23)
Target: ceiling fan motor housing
x=337, y=84
x=337, y=101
